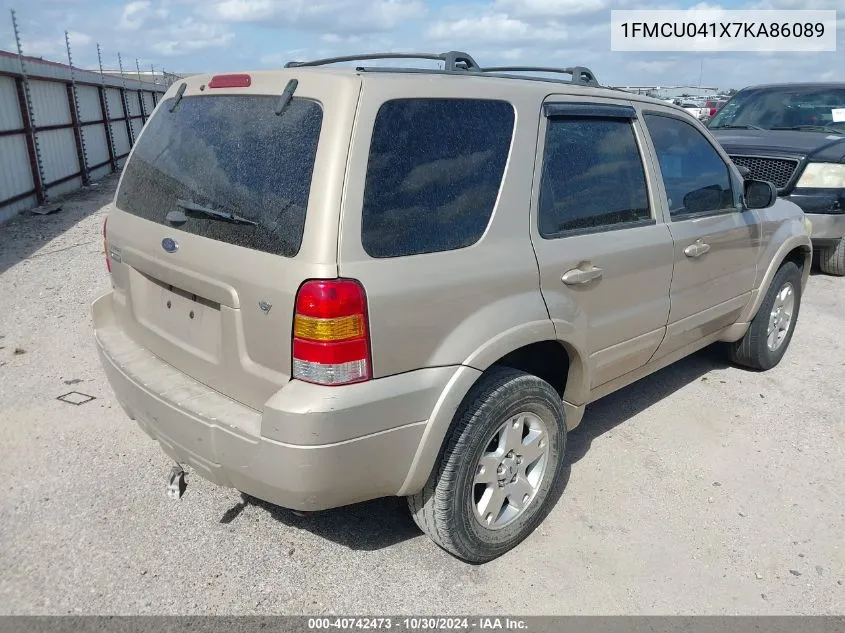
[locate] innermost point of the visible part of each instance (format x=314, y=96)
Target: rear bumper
x=827, y=226
x=311, y=448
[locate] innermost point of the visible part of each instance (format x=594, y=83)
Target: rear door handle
x=697, y=250
x=580, y=276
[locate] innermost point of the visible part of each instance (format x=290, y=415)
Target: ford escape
x=332, y=284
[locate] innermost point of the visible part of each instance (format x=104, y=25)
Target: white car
x=693, y=108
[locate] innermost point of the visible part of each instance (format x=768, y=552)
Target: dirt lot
x=702, y=489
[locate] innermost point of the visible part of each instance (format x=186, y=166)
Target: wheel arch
x=532, y=348
x=797, y=249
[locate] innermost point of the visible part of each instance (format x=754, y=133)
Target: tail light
x=713, y=111
x=331, y=340
x=106, y=244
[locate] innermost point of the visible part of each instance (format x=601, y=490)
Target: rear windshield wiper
x=287, y=95
x=178, y=97
x=737, y=127
x=193, y=207
x=819, y=128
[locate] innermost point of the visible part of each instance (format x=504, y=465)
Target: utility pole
x=700, y=76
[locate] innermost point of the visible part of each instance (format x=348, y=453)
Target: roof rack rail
x=452, y=60
x=455, y=61
x=580, y=74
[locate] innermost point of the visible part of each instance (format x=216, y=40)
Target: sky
x=221, y=35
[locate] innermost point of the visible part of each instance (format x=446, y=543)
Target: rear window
x=230, y=154
x=433, y=174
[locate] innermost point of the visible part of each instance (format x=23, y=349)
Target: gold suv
x=332, y=284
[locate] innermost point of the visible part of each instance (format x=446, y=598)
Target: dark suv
x=793, y=135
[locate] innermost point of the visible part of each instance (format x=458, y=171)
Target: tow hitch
x=176, y=483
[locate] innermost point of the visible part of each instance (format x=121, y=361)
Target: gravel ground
x=701, y=489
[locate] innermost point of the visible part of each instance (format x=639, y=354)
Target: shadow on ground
x=368, y=526
x=27, y=233
x=606, y=414
x=386, y=522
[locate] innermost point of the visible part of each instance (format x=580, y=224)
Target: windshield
x=800, y=107
x=227, y=158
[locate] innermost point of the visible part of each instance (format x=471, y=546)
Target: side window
x=593, y=176
x=433, y=174
x=696, y=178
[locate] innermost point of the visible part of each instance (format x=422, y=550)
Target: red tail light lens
x=106, y=244
x=331, y=341
x=230, y=81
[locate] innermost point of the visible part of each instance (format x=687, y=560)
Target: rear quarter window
x=433, y=174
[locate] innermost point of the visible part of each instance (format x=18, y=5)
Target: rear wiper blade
x=286, y=96
x=737, y=127
x=179, y=92
x=820, y=128
x=234, y=218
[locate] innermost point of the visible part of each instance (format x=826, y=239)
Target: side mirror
x=743, y=171
x=760, y=194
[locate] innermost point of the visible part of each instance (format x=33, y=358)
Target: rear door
x=604, y=253
x=212, y=296
x=716, y=239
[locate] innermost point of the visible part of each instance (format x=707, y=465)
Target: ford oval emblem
x=170, y=245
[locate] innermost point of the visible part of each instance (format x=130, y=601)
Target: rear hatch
x=224, y=208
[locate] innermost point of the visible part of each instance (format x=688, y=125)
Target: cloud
x=797, y=4
x=653, y=67
x=279, y=59
x=167, y=35
x=512, y=54
x=53, y=48
x=498, y=27
x=342, y=17
x=191, y=36
x=334, y=38
x=137, y=14
x=79, y=39
x=549, y=8
x=235, y=34
x=134, y=15
x=243, y=10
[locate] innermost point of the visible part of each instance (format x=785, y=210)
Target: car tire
x=832, y=258
x=768, y=337
x=506, y=408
